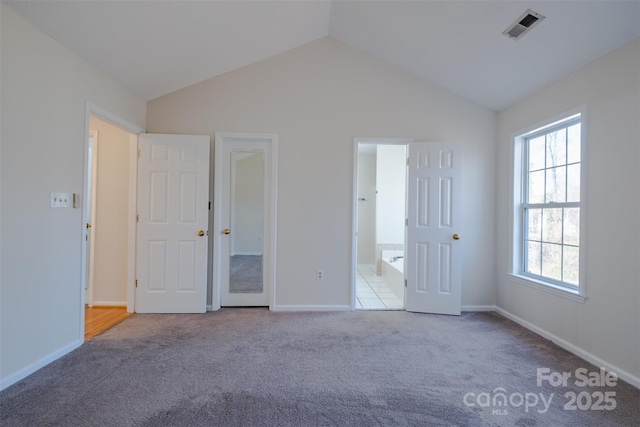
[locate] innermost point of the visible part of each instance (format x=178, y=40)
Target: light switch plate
x=60, y=200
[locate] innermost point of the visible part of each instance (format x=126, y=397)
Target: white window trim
x=515, y=217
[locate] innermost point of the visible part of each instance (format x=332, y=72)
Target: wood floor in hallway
x=98, y=319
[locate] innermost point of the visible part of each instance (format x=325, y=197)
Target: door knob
x=226, y=231
x=456, y=236
x=88, y=225
x=200, y=233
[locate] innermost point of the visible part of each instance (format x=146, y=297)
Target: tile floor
x=373, y=293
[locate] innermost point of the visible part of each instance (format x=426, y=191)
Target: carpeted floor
x=254, y=367
x=245, y=274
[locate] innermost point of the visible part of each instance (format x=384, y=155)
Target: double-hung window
x=549, y=205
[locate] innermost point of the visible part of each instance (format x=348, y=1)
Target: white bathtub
x=393, y=270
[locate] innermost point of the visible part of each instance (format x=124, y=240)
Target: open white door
x=434, y=227
x=173, y=206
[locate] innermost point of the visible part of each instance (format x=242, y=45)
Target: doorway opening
x=432, y=224
x=108, y=238
x=106, y=231
x=381, y=167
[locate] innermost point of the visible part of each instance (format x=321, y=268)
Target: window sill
x=548, y=288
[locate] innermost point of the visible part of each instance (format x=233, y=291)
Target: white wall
x=112, y=209
x=391, y=169
x=606, y=328
x=44, y=90
x=248, y=205
x=317, y=98
x=366, y=249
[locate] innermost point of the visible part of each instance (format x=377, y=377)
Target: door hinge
x=405, y=283
x=136, y=283
x=209, y=205
x=406, y=222
x=407, y=161
x=137, y=218
x=138, y=153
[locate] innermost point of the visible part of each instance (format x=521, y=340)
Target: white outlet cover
x=60, y=200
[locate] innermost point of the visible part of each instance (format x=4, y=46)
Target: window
x=549, y=205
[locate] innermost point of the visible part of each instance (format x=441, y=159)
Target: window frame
x=519, y=205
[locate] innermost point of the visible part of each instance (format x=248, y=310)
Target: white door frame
x=354, y=198
x=269, y=266
x=90, y=197
x=92, y=110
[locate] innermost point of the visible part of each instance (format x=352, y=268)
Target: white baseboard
x=583, y=354
x=478, y=308
x=311, y=308
x=38, y=364
x=110, y=303
x=302, y=308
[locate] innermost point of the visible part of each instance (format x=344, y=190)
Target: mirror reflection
x=247, y=222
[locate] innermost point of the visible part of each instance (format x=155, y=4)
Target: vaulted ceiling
x=157, y=47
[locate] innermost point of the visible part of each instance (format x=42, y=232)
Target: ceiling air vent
x=524, y=23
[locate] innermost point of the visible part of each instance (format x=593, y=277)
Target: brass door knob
x=200, y=233
x=88, y=225
x=226, y=231
x=456, y=236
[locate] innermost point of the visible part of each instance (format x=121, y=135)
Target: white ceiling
x=157, y=47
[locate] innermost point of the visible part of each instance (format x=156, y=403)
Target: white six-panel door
x=434, y=228
x=173, y=203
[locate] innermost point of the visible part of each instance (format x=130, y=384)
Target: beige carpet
x=252, y=367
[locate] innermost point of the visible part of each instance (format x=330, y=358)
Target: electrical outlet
x=320, y=274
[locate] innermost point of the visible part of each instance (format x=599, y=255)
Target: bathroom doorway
x=380, y=217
